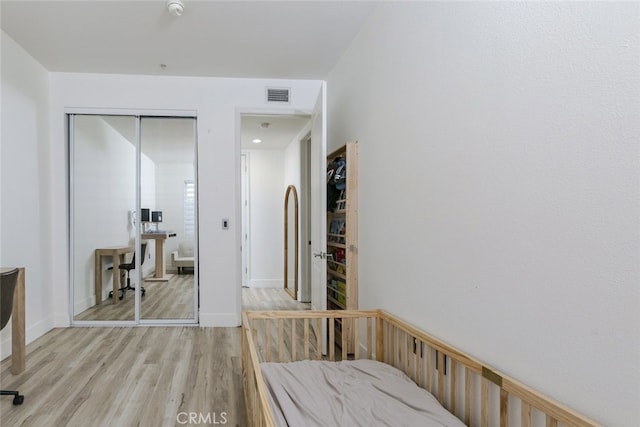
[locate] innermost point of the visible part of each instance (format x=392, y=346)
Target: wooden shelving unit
x=342, y=237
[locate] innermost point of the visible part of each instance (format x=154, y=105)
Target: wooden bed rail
x=256, y=398
x=477, y=394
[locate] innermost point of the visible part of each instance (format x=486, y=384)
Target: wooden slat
x=420, y=364
x=318, y=338
x=467, y=396
x=430, y=368
x=392, y=345
x=356, y=340
x=551, y=422
x=332, y=340
x=484, y=402
x=344, y=333
x=294, y=340
x=453, y=386
x=410, y=355
x=280, y=340
x=441, y=369
x=267, y=340
x=369, y=339
x=525, y=411
x=504, y=408
x=306, y=339
x=379, y=340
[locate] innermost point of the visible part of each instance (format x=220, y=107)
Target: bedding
x=349, y=393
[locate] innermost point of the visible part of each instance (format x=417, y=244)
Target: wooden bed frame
x=476, y=393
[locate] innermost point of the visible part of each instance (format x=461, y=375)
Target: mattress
x=349, y=393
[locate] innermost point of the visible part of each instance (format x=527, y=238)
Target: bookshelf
x=342, y=235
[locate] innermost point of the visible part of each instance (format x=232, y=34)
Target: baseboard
x=84, y=304
x=222, y=320
x=31, y=334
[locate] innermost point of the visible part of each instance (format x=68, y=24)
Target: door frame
x=275, y=111
x=245, y=208
x=305, y=218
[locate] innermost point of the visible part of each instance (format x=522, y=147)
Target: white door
x=244, y=193
x=306, y=253
x=319, y=202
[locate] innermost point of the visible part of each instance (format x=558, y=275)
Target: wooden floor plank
x=162, y=300
x=133, y=376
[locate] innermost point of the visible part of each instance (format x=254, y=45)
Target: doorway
x=272, y=150
x=133, y=222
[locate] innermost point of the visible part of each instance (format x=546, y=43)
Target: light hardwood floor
x=134, y=376
x=162, y=300
x=270, y=299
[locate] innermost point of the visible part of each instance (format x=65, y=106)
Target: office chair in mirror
x=8, y=281
x=128, y=267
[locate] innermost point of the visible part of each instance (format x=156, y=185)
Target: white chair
x=183, y=257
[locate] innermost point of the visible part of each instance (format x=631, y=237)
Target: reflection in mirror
x=168, y=202
x=104, y=217
x=102, y=201
x=291, y=242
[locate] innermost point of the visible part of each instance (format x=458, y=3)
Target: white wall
x=266, y=197
x=170, y=178
x=104, y=170
x=499, y=177
x=217, y=103
x=25, y=174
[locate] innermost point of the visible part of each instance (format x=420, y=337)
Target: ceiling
x=253, y=39
x=275, y=131
x=249, y=39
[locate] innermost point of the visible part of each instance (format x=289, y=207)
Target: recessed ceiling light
x=257, y=141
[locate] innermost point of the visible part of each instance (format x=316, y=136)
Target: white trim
x=196, y=237
x=137, y=114
x=245, y=208
x=241, y=111
x=69, y=122
x=220, y=320
x=305, y=216
x=137, y=293
x=130, y=112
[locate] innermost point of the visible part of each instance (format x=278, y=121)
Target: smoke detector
x=175, y=7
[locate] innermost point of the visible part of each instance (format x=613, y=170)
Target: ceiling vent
x=278, y=94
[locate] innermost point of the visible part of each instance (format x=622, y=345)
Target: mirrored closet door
x=167, y=197
x=133, y=225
